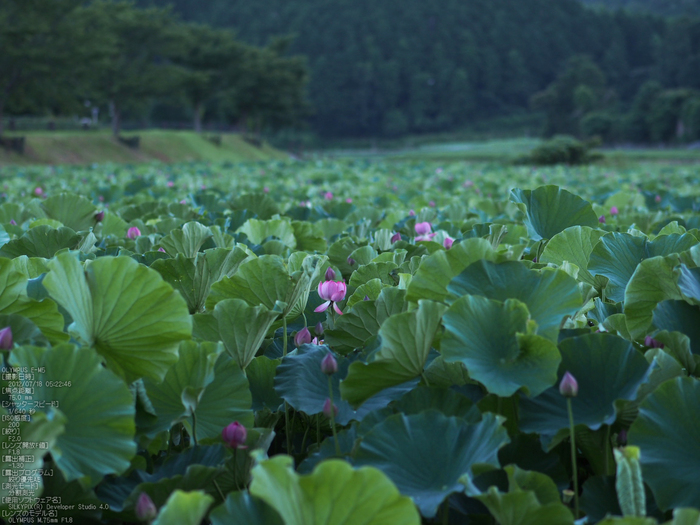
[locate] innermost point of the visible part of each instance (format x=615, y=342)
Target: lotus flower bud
x=348, y=200
x=99, y=216
x=170, y=184
x=330, y=274
x=302, y=337
x=329, y=365
x=327, y=408
x=161, y=249
x=38, y=191
x=657, y=199
x=351, y=261
x=133, y=232
x=423, y=228
x=614, y=211
x=395, y=238
x=318, y=330
x=12, y=222
x=366, y=298
x=6, y=338
x=328, y=196
x=650, y=342
x=622, y=438
x=448, y=242
x=145, y=508
x=601, y=219
x=235, y=435
x=412, y=213
x=568, y=386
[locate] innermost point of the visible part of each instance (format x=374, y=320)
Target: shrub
x=563, y=149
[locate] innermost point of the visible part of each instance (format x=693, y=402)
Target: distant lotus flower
x=161, y=249
x=614, y=211
x=657, y=198
x=302, y=337
x=327, y=408
x=12, y=221
x=235, y=435
x=331, y=292
x=266, y=189
x=133, y=232
x=431, y=204
x=438, y=171
x=412, y=213
x=328, y=196
x=448, y=242
x=395, y=238
x=318, y=329
x=601, y=219
x=650, y=342
x=183, y=201
x=468, y=184
x=351, y=261
x=204, y=186
x=423, y=228
x=145, y=508
x=6, y=338
x=100, y=198
x=316, y=341
x=366, y=298
x=329, y=365
x=38, y=191
x=568, y=386
x=348, y=200
x=330, y=274
x=99, y=216
x=170, y=184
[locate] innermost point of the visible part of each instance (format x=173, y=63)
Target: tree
x=139, y=47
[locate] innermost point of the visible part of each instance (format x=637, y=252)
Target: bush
x=563, y=149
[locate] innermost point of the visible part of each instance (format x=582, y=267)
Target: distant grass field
x=88, y=147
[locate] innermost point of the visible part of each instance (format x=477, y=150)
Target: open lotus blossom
x=614, y=211
x=133, y=232
x=234, y=435
x=6, y=338
x=302, y=337
x=145, y=508
x=332, y=292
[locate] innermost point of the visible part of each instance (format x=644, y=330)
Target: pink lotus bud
x=330, y=274
x=657, y=198
x=12, y=222
x=161, y=249
x=614, y=211
x=266, y=189
x=395, y=238
x=99, y=216
x=468, y=184
x=328, y=196
x=351, y=261
x=622, y=438
x=133, y=232
x=145, y=508
x=329, y=365
x=327, y=408
x=170, y=184
x=348, y=200
x=568, y=386
x=6, y=338
x=423, y=228
x=302, y=337
x=431, y=204
x=38, y=191
x=412, y=213
x=204, y=186
x=316, y=341
x=235, y=435
x=366, y=298
x=319, y=329
x=448, y=242
x=601, y=219
x=650, y=342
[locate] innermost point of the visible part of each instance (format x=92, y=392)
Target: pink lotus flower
x=348, y=200
x=328, y=196
x=448, y=242
x=99, y=216
x=431, y=204
x=161, y=249
x=183, y=201
x=568, y=386
x=12, y=222
x=330, y=274
x=652, y=343
x=170, y=184
x=329, y=365
x=332, y=292
x=657, y=198
x=145, y=508
x=412, y=213
x=38, y=191
x=601, y=219
x=614, y=211
x=468, y=184
x=266, y=189
x=133, y=232
x=318, y=329
x=235, y=435
x=302, y=337
x=6, y=338
x=395, y=238
x=423, y=228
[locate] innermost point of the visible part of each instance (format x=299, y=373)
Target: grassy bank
x=87, y=147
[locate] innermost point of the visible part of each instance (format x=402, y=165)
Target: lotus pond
x=311, y=343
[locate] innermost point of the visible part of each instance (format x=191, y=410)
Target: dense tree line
x=660, y=7
x=56, y=54
x=409, y=66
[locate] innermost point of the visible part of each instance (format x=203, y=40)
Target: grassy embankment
x=87, y=147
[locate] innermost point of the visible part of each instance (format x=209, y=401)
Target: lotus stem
x=574, y=469
x=286, y=405
x=332, y=411
x=194, y=429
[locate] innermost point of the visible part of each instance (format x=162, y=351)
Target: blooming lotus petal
x=337, y=310
x=322, y=307
x=423, y=228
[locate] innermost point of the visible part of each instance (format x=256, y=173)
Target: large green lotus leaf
x=532, y=499
x=549, y=294
x=606, y=367
x=492, y=340
x=371, y=271
x=43, y=428
x=99, y=410
x=24, y=331
x=301, y=383
x=444, y=400
x=306, y=238
x=371, y=289
x=617, y=255
x=333, y=494
x=42, y=241
x=242, y=327
x=667, y=431
x=427, y=454
x=240, y=508
x=406, y=341
x=550, y=210
x=184, y=508
x=261, y=204
x=679, y=316
x=437, y=270
x=204, y=381
x=689, y=283
x=124, y=310
x=573, y=245
x=261, y=375
x=74, y=211
x=257, y=231
x=186, y=241
x=654, y=280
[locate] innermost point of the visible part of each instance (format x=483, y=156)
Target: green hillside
x=75, y=147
